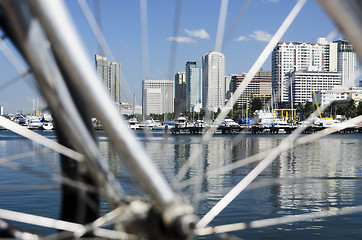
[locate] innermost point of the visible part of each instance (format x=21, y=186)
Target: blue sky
x=196, y=36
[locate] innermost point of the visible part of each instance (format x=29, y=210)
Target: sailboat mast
x=134, y=103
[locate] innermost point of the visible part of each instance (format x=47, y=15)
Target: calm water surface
x=318, y=176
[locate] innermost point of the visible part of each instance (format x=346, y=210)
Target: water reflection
x=314, y=176
x=28, y=183
x=322, y=175
x=325, y=174
x=330, y=170
x=114, y=161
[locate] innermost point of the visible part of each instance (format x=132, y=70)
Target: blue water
x=319, y=176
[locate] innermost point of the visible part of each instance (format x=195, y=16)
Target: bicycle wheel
x=35, y=31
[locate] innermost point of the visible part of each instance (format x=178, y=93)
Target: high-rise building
x=288, y=57
x=193, y=86
x=346, y=63
x=110, y=73
x=324, y=56
x=157, y=96
x=213, y=81
x=180, y=92
x=259, y=87
x=330, y=60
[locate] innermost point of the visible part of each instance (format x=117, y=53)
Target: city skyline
x=195, y=36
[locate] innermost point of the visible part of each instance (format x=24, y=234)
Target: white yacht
x=47, y=126
x=34, y=122
x=326, y=122
x=133, y=123
x=264, y=117
x=148, y=124
x=227, y=122
x=181, y=122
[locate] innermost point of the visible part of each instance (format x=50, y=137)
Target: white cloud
x=181, y=39
x=273, y=1
x=260, y=35
x=241, y=38
x=200, y=33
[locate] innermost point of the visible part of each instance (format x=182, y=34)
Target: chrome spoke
x=55, y=224
x=96, y=29
x=144, y=38
x=277, y=221
x=174, y=44
x=46, y=142
x=221, y=25
x=15, y=79
x=18, y=66
x=236, y=22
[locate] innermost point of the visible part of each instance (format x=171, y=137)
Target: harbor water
x=315, y=177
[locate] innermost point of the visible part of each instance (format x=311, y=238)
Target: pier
x=257, y=129
x=197, y=130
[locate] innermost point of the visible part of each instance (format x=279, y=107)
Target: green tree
x=359, y=108
x=351, y=109
x=202, y=114
x=308, y=109
x=256, y=104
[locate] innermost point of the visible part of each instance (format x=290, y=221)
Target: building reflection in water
x=109, y=154
x=327, y=169
x=311, y=177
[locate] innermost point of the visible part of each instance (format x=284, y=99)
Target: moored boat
x=229, y=123
x=34, y=123
x=148, y=124
x=133, y=123
x=181, y=122
x=47, y=126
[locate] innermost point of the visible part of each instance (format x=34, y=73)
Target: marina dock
x=257, y=129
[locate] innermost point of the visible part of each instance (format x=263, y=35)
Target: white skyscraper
x=330, y=55
x=157, y=96
x=213, y=81
x=346, y=63
x=324, y=56
x=110, y=73
x=288, y=57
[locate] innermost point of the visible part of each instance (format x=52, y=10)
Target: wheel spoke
x=277, y=221
x=221, y=25
x=46, y=142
